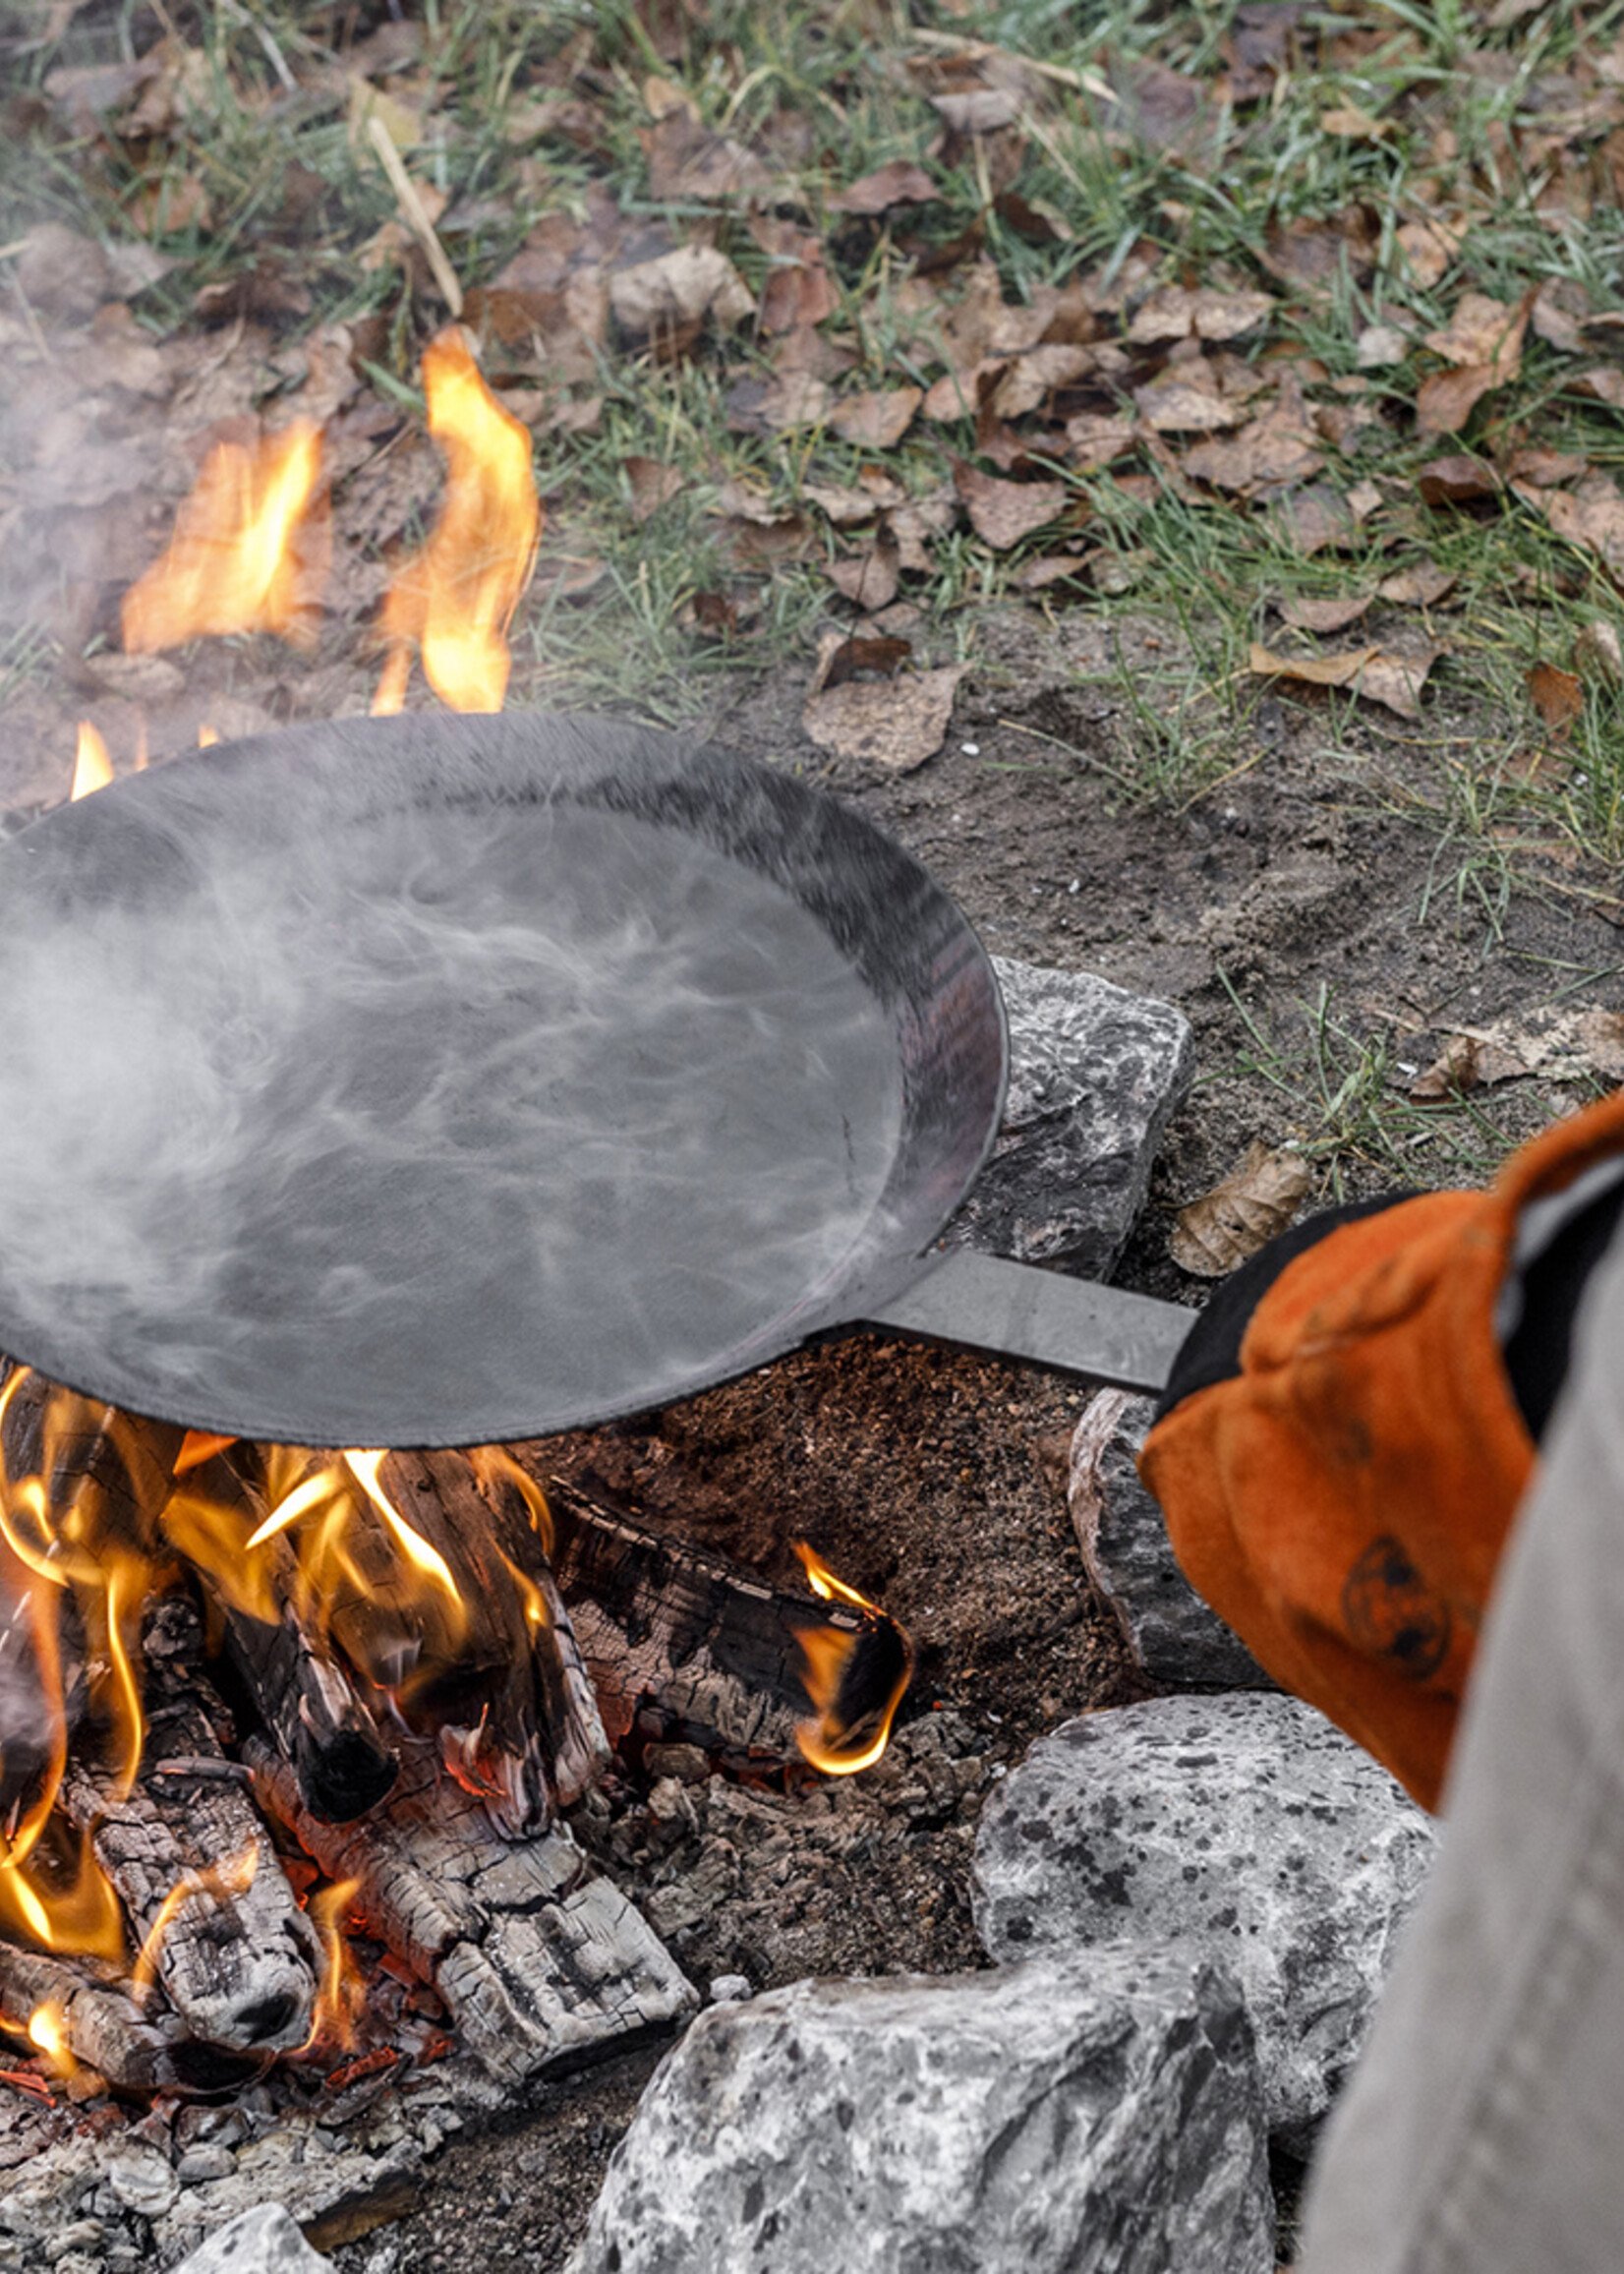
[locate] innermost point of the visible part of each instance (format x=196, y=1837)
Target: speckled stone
x=1244, y=1826
x=1094, y=1072
x=1041, y=2120
x=1120, y=1530
x=263, y=2240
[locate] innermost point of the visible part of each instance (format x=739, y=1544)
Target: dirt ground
x=935, y=1480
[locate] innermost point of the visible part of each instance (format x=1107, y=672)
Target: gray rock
x=1170, y=1630
x=1244, y=1826
x=210, y=2161
x=1094, y=1072
x=1043, y=2119
x=263, y=2240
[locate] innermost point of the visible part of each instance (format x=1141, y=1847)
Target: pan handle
x=1019, y=1311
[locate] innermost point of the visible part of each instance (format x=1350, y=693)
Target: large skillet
x=435, y=1081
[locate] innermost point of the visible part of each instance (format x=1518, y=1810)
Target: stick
x=414, y=213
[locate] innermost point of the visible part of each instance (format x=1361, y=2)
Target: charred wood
x=542, y=1964
x=104, y=2027
x=298, y=1690
x=217, y=1923
x=720, y=1656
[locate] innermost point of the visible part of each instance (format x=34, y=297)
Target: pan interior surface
x=354, y=1095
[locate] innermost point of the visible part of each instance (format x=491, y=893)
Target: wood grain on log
x=105, y=2028
x=715, y=1650
x=542, y=1964
x=195, y=1870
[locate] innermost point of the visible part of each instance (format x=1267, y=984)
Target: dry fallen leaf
x=1352, y=123
x=1394, y=681
x=1258, y=1197
x=1093, y=441
x=651, y=483
x=1277, y=448
x=1599, y=653
x=1592, y=516
x=1429, y=247
x=1421, y=586
x=897, y=724
x=876, y=421
x=674, y=293
x=1602, y=384
x=1002, y=513
x=1465, y=1061
x=898, y=184
x=1187, y=400
x=1486, y=332
x=1460, y=481
x=1173, y=313
x=1379, y=345
x=1564, y=1046
x=1557, y=695
x=1446, y=399
x=1324, y=615
x=869, y=579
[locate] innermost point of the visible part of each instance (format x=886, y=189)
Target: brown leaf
x=1465, y=1061
x=1592, y=516
x=1378, y=346
x=1554, y=323
x=1603, y=384
x=978, y=111
x=899, y=184
x=1324, y=615
x=1485, y=331
x=1277, y=448
x=841, y=660
x=1350, y=124
x=895, y=724
x=796, y=398
x=1316, y=517
x=1557, y=695
x=687, y=162
x=1421, y=586
x=1031, y=379
x=1460, y=481
x=1600, y=653
x=1446, y=399
x=1394, y=681
x=61, y=273
x=1002, y=513
x=1564, y=1046
x=652, y=484
x=1173, y=313
x=867, y=579
x=1544, y=468
x=1256, y=1198
x=1429, y=247
x=1188, y=400
x=674, y=293
x=877, y=419
x=1093, y=441
x=1311, y=252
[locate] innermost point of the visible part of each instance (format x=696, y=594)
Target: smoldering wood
x=238, y=1959
x=113, y=1471
x=134, y=2048
x=542, y=1964
x=302, y=1691
x=715, y=1651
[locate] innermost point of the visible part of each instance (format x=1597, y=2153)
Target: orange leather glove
x=1339, y=1487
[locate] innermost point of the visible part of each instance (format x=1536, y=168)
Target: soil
x=935, y=1480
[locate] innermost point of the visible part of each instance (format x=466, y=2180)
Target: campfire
x=288, y=1735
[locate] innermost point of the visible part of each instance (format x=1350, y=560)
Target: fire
x=93, y=767
x=48, y=2035
x=828, y=1741
x=233, y=1877
x=207, y=737
x=248, y=552
x=454, y=599
x=344, y=1992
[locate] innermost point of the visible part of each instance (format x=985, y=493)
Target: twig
x=415, y=212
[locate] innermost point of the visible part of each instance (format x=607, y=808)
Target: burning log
x=731, y=1662
x=198, y=1877
x=80, y=2008
x=301, y=1692
x=542, y=1964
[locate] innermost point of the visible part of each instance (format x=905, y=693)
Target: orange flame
x=48, y=2035
x=233, y=1877
x=207, y=737
x=343, y=1993
x=93, y=767
x=826, y=1741
x=248, y=552
x=455, y=599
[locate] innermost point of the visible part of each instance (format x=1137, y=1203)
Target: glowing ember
x=93, y=767
x=248, y=552
x=48, y=2035
x=455, y=599
x=827, y=1741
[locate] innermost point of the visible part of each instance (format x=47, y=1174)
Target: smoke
x=337, y=1101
